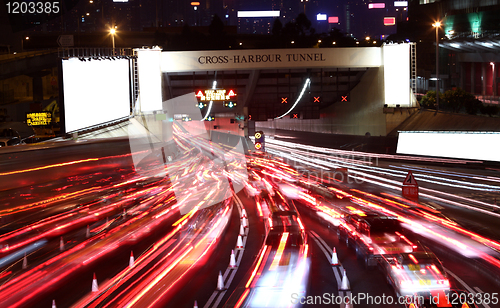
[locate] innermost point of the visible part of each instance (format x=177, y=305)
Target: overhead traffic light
x=230, y=104
x=259, y=141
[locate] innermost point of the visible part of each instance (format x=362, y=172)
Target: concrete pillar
x=483, y=78
x=461, y=70
x=473, y=78
x=494, y=78
x=245, y=122
x=37, y=88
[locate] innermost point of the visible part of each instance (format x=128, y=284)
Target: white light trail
x=214, y=85
x=308, y=81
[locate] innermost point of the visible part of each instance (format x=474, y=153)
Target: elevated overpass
x=27, y=63
x=350, y=91
x=347, y=91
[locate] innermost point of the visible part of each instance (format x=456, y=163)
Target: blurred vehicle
x=451, y=299
x=9, y=141
x=373, y=236
x=282, y=269
x=16, y=129
x=417, y=272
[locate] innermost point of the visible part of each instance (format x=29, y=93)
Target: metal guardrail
x=87, y=52
x=492, y=100
x=24, y=55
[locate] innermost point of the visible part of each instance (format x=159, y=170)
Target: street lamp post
x=112, y=31
x=436, y=25
x=304, y=1
x=22, y=42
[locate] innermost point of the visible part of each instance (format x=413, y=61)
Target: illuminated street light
x=304, y=1
x=112, y=31
x=367, y=38
x=437, y=25
x=22, y=42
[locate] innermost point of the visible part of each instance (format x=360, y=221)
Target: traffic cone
x=239, y=243
x=195, y=304
x=244, y=222
x=232, y=260
x=335, y=260
x=95, y=287
x=242, y=230
x=344, y=286
x=131, y=260
x=220, y=282
x=88, y=232
x=243, y=213
x=61, y=244
x=25, y=261
x=54, y=303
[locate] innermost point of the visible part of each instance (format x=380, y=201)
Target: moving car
x=415, y=272
x=373, y=236
x=448, y=299
x=9, y=141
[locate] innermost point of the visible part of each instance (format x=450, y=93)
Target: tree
x=472, y=105
x=340, y=39
x=490, y=110
x=303, y=25
x=277, y=27
x=429, y=99
x=453, y=100
x=216, y=27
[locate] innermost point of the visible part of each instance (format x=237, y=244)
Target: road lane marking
x=329, y=258
x=337, y=270
x=460, y=280
x=231, y=272
x=481, y=292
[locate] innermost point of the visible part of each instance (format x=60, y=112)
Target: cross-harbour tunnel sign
x=264, y=58
x=174, y=61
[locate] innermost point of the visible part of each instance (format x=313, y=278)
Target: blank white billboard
x=95, y=92
x=247, y=14
x=149, y=71
x=464, y=145
x=397, y=74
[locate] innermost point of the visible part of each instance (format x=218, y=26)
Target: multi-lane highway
x=214, y=226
